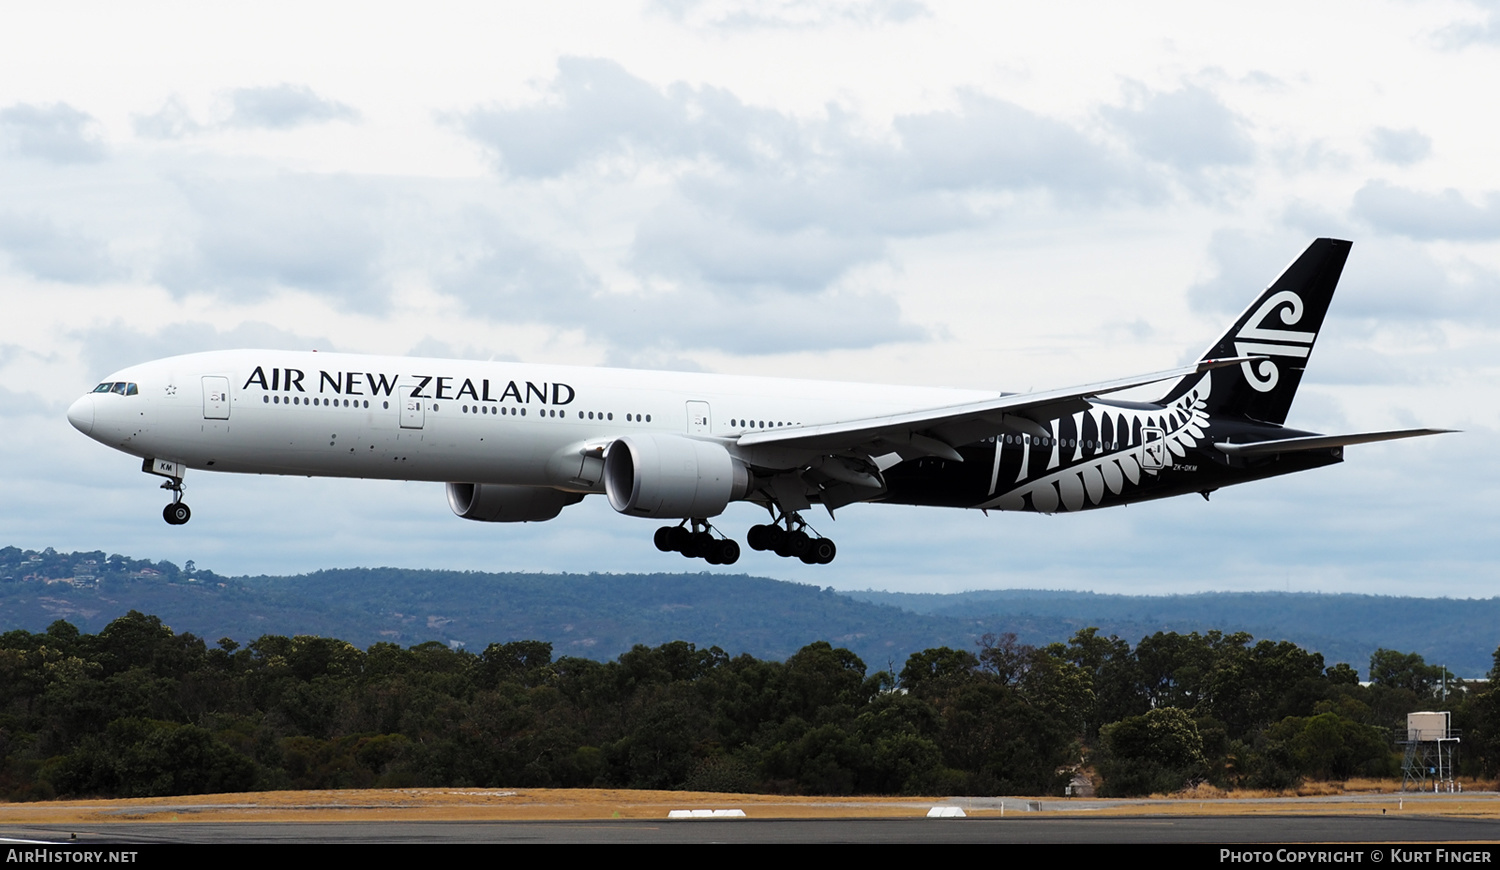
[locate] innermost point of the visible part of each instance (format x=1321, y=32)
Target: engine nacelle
x=672, y=477
x=500, y=503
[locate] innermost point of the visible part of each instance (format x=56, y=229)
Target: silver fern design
x=1150, y=441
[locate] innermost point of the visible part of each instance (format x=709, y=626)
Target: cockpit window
x=130, y=390
x=123, y=388
x=103, y=388
x=119, y=388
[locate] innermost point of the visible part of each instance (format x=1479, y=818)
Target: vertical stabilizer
x=1281, y=325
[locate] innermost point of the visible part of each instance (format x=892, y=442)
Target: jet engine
x=501, y=503
x=672, y=476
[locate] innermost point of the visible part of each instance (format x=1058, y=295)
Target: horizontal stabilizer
x=1321, y=442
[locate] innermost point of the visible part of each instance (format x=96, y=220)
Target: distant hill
x=600, y=616
x=1462, y=633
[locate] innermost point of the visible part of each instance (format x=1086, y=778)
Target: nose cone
x=81, y=413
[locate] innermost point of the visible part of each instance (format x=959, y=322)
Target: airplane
x=519, y=443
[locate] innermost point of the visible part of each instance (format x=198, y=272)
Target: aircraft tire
x=663, y=539
x=756, y=538
x=820, y=551
x=176, y=514
x=699, y=544
x=728, y=551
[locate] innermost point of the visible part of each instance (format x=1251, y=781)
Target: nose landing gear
x=177, y=512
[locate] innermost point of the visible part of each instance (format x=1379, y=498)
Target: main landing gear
x=793, y=541
x=695, y=540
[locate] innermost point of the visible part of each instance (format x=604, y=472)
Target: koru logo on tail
x=1264, y=373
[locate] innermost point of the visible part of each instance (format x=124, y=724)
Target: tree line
x=139, y=710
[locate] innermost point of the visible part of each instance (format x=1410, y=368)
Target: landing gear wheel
x=820, y=552
x=176, y=513
x=726, y=552
x=663, y=539
x=789, y=536
x=795, y=544
x=756, y=538
x=696, y=539
x=701, y=544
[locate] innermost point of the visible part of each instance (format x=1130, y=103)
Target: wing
x=1320, y=442
x=937, y=431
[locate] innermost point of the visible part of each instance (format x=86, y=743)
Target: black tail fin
x=1281, y=325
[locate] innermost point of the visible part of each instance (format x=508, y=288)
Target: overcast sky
x=997, y=196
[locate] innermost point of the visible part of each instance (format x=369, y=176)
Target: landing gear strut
x=695, y=540
x=792, y=540
x=177, y=512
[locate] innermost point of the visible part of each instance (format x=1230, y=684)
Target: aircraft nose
x=81, y=413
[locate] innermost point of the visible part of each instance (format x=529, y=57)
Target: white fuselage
x=404, y=418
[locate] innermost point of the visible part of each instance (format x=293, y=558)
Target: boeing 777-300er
x=518, y=443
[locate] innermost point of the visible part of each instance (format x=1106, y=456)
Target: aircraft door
x=215, y=398
x=1153, y=449
x=413, y=413
x=699, y=422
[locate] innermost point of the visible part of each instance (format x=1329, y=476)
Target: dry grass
x=1357, y=797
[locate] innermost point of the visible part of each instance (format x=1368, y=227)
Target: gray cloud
x=172, y=121
x=683, y=241
x=39, y=246
x=1485, y=30
x=112, y=347
x=498, y=272
x=1188, y=129
x=1446, y=215
x=282, y=107
x=504, y=275
x=991, y=144
x=1385, y=283
x=597, y=109
x=57, y=133
x=311, y=232
x=766, y=200
x=763, y=322
x=788, y=14
x=1401, y=147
